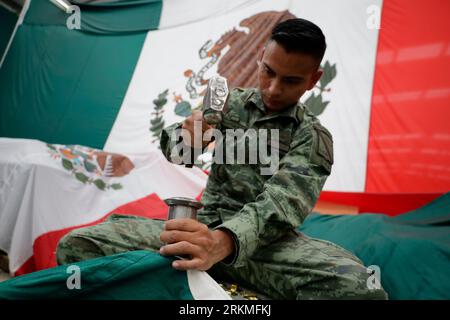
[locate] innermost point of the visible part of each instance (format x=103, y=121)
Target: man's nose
x=275, y=89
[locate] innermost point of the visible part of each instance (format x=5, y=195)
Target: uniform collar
x=255, y=98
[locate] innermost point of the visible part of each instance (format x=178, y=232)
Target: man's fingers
x=197, y=115
x=173, y=236
x=179, y=249
x=195, y=263
x=189, y=225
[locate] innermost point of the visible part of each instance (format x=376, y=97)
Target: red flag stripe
x=409, y=138
x=44, y=246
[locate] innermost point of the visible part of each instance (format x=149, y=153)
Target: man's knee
x=355, y=283
x=74, y=247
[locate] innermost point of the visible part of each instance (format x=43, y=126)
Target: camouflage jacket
x=258, y=209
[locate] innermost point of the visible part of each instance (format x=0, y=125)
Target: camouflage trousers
x=294, y=267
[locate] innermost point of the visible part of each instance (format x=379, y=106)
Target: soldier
x=247, y=229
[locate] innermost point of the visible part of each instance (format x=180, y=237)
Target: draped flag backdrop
x=8, y=20
x=137, y=66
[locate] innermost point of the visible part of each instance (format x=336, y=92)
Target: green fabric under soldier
x=246, y=232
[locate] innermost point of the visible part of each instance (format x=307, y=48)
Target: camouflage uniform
x=261, y=212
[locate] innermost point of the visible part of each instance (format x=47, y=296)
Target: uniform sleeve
x=287, y=197
x=170, y=139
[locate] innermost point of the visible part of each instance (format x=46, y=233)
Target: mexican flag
x=135, y=275
x=135, y=67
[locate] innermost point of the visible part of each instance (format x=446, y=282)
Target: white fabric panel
x=352, y=46
x=203, y=287
x=169, y=52
x=176, y=13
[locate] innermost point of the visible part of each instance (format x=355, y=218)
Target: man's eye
x=268, y=71
x=293, y=81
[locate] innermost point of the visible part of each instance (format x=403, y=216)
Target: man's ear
x=315, y=77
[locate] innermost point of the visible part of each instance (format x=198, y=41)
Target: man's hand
x=188, y=128
x=190, y=237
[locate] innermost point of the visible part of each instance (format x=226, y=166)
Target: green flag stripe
x=7, y=23
x=130, y=275
x=65, y=86
x=102, y=18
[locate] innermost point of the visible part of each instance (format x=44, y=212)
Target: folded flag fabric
x=133, y=275
x=46, y=190
x=411, y=251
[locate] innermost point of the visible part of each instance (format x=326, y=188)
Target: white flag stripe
x=167, y=54
x=176, y=13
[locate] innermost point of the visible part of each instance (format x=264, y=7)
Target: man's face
x=284, y=77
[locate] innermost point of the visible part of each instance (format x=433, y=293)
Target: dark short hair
x=300, y=35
